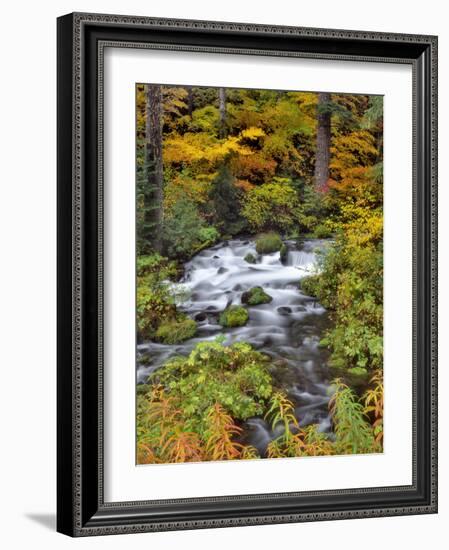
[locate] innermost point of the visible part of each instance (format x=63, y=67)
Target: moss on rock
x=234, y=316
x=283, y=253
x=268, y=243
x=255, y=296
x=250, y=258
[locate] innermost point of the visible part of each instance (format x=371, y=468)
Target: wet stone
x=200, y=317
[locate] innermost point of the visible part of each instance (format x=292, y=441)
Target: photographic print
x=259, y=268
x=243, y=283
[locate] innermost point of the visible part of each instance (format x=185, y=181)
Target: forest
x=259, y=273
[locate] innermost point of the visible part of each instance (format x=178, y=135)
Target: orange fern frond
x=220, y=433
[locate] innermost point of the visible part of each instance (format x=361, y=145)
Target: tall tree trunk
x=222, y=110
x=323, y=140
x=153, y=134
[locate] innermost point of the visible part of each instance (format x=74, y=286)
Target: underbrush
x=157, y=315
x=193, y=409
x=350, y=286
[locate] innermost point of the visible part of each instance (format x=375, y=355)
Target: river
x=288, y=329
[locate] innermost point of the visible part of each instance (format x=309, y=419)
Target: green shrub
x=157, y=315
x=192, y=409
x=176, y=330
x=272, y=206
x=312, y=210
x=154, y=305
x=156, y=265
x=234, y=316
x=250, y=258
x=185, y=231
x=268, y=243
x=142, y=389
x=255, y=296
x=208, y=235
x=322, y=231
x=234, y=376
x=225, y=202
x=309, y=285
x=350, y=286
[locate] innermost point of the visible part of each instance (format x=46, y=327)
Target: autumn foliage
x=250, y=170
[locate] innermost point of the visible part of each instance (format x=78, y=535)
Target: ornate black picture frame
x=81, y=509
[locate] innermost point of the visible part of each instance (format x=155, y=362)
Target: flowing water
x=288, y=329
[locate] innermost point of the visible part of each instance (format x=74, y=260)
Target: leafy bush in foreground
x=190, y=413
x=234, y=376
x=192, y=407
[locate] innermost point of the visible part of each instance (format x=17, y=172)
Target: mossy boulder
x=283, y=253
x=174, y=331
x=268, y=243
x=250, y=258
x=255, y=296
x=234, y=316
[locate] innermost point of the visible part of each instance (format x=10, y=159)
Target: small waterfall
x=301, y=259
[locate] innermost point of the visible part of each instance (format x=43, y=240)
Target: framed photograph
x=246, y=274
